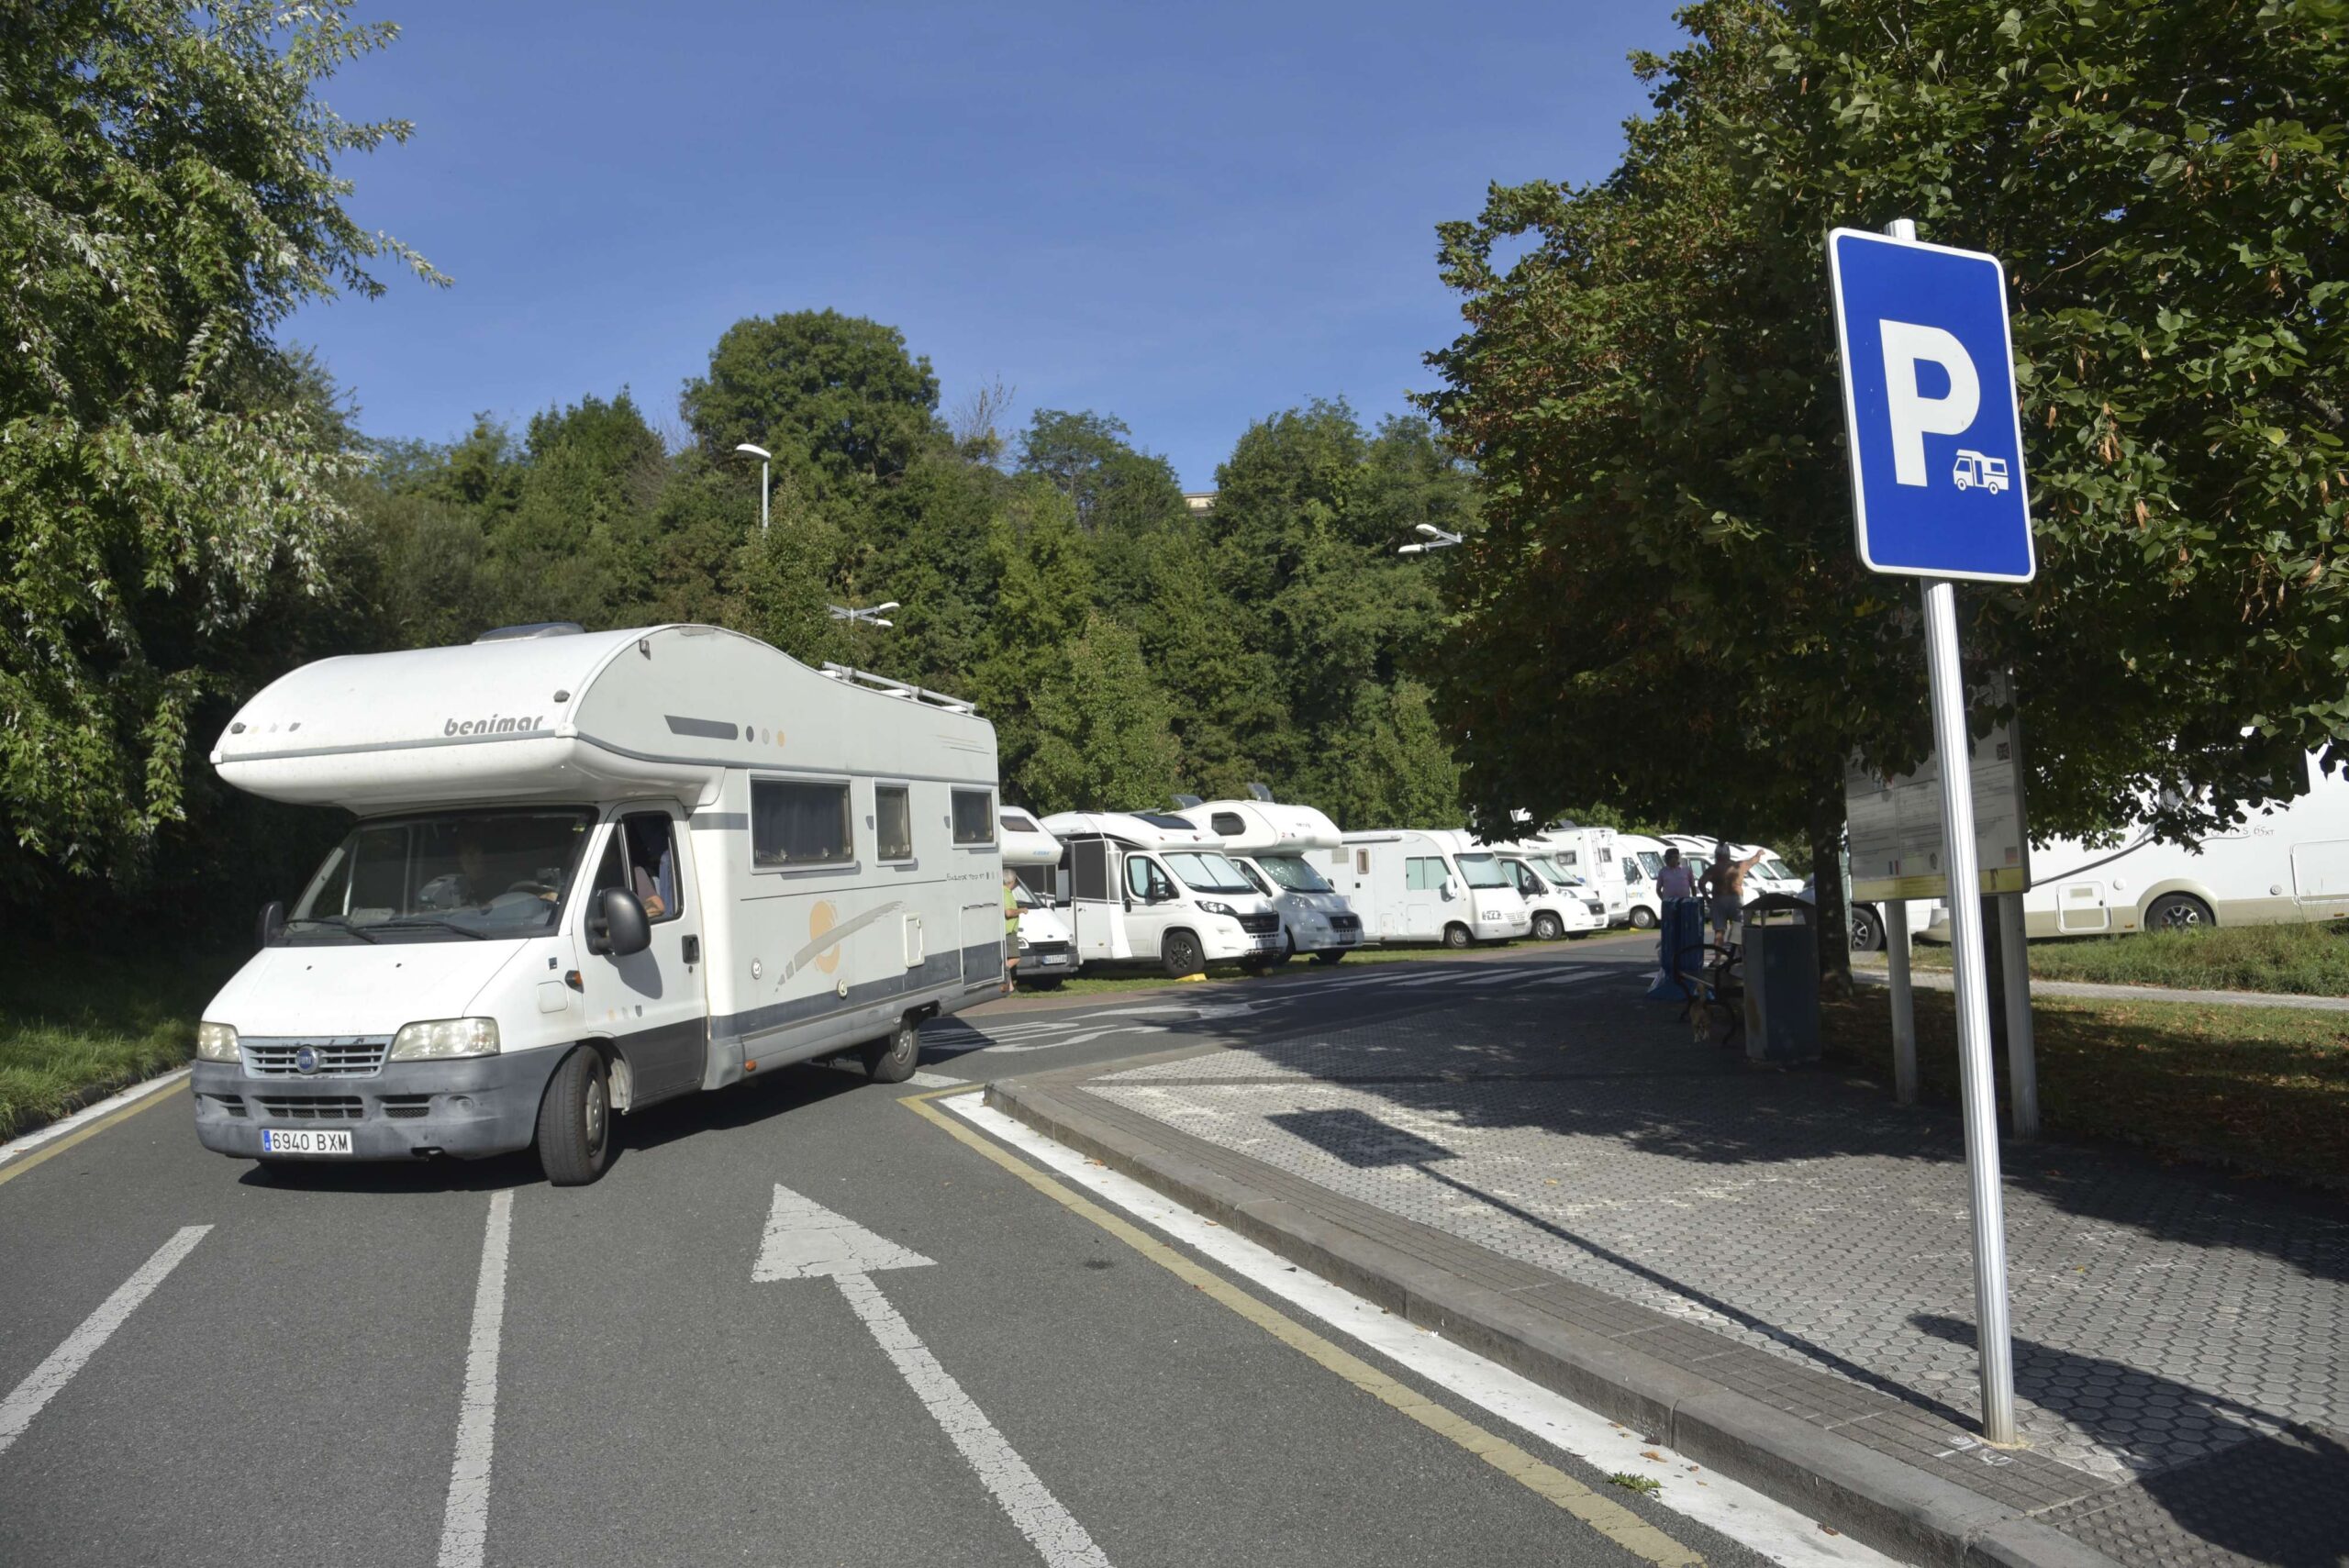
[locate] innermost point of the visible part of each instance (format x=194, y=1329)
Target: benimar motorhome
x=1147, y=887
x=1046, y=949
x=1269, y=840
x=2287, y=862
x=1560, y=902
x=592, y=870
x=1589, y=853
x=1436, y=885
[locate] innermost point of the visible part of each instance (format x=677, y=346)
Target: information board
x=1895, y=825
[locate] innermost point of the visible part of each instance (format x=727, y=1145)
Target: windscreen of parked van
x=1557, y=878
x=451, y=876
x=1291, y=873
x=1207, y=873
x=1482, y=870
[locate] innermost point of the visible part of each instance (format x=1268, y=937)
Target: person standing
x=1725, y=885
x=1676, y=880
x=1010, y=930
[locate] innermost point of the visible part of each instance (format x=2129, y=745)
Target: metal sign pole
x=1977, y=1086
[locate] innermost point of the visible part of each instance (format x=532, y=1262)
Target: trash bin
x=1781, y=968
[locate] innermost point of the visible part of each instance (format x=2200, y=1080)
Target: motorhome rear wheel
x=893, y=1057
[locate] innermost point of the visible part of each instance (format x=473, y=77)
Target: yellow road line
x=10, y=1171
x=1610, y=1518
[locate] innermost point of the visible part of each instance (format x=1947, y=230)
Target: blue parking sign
x=1929, y=408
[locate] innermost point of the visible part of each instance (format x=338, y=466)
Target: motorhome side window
x=1146, y=882
x=795, y=824
x=1423, y=873
x=893, y=821
x=973, y=817
x=1228, y=824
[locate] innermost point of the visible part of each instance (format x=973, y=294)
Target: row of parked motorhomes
x=586, y=873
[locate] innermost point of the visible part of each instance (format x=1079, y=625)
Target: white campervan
x=1560, y=901
x=1148, y=887
x=1591, y=854
x=2284, y=862
x=1430, y=885
x=1046, y=947
x=1269, y=840
x=593, y=871
x=1639, y=858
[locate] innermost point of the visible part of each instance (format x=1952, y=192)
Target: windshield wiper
x=414, y=920
x=333, y=923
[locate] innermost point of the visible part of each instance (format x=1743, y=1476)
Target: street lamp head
x=760, y=452
x=878, y=621
x=1411, y=550
x=890, y=605
x=1430, y=530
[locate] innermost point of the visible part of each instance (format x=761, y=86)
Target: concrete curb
x=1869, y=1495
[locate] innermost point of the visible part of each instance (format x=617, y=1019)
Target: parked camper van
x=591, y=871
x=1436, y=885
x=1639, y=858
x=1148, y=887
x=1591, y=855
x=1560, y=901
x=2288, y=862
x=1047, y=948
x=1268, y=840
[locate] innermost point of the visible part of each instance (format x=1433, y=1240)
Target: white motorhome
x=1639, y=858
x=591, y=871
x=1269, y=840
x=1591, y=854
x=1148, y=887
x=1560, y=901
x=1047, y=948
x=2285, y=862
x=1428, y=885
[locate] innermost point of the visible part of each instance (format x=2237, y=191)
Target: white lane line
x=88, y=1113
x=464, y=1523
x=1770, y=1527
x=1050, y=1529
x=41, y=1385
x=936, y=1081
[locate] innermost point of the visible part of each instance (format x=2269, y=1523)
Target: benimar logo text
x=493, y=725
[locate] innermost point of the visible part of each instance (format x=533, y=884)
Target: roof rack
x=888, y=687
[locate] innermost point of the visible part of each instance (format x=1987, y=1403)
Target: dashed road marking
x=41, y=1385
x=464, y=1521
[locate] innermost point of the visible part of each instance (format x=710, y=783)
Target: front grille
x=1599, y=909
x=346, y=1056
x=234, y=1104
x=1260, y=925
x=1345, y=922
x=321, y=1107
x=408, y=1104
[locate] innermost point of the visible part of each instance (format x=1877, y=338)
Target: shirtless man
x=1725, y=885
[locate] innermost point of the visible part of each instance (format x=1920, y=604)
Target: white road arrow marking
x=806, y=1240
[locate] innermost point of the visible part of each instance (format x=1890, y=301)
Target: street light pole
x=765, y=459
x=1436, y=539
x=867, y=615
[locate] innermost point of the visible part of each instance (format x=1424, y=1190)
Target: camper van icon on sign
x=1975, y=470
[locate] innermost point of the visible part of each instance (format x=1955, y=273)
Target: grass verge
x=76, y=1026
x=2252, y=1089
x=2297, y=959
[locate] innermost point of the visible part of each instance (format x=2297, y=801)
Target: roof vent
x=1187, y=801
x=534, y=629
x=1260, y=792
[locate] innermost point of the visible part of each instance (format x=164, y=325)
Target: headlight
x=216, y=1042
x=440, y=1039
x=1210, y=906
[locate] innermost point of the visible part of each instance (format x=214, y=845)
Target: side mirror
x=618, y=926
x=271, y=924
x=1451, y=888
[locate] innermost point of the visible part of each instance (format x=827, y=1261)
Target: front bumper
x=1325, y=936
x=479, y=1107
x=1225, y=940
x=1502, y=929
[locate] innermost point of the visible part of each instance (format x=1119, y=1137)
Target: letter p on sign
x=1937, y=473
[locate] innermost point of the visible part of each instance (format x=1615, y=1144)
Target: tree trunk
x=1827, y=888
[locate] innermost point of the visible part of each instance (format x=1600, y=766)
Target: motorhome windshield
x=1293, y=873
x=1207, y=873
x=1482, y=870
x=1555, y=877
x=453, y=876
x=1776, y=870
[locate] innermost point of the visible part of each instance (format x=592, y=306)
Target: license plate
x=1054, y=958
x=304, y=1140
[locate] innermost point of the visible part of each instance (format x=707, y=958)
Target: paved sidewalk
x=1797, y=1238
x=1941, y=980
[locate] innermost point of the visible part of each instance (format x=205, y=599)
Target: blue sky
x=1189, y=217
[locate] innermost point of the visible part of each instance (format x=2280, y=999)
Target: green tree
x=836, y=393
x=169, y=200
x=1105, y=736
x=1663, y=610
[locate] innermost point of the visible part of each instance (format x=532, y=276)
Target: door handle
x=692, y=949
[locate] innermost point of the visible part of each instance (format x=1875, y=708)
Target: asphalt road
x=944, y=1365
